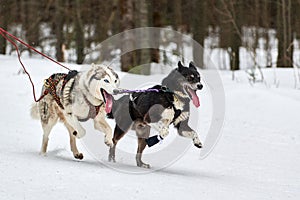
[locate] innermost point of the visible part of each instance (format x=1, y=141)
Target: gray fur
x=78, y=99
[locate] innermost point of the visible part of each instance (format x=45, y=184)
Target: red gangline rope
x=4, y=33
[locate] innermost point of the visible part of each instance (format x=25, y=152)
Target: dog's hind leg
x=162, y=126
x=118, y=134
x=47, y=127
x=71, y=131
x=73, y=145
x=143, y=132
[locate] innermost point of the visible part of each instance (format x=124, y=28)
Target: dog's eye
x=115, y=81
x=106, y=81
x=192, y=76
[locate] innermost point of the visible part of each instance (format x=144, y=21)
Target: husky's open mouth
x=192, y=95
x=108, y=100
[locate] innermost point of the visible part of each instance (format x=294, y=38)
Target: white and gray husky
x=75, y=97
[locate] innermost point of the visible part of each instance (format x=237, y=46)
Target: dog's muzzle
x=116, y=91
x=200, y=86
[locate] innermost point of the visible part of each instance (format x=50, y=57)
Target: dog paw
x=78, y=156
x=197, y=142
x=198, y=145
x=111, y=159
x=44, y=154
x=108, y=142
x=143, y=165
x=158, y=126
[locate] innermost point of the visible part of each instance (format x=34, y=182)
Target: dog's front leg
x=186, y=131
x=101, y=125
x=163, y=131
x=162, y=127
x=73, y=121
x=182, y=117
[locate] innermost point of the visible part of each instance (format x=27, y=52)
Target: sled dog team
x=79, y=96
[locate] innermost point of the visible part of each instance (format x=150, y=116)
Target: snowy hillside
x=257, y=156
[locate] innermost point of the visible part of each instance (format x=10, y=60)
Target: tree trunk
x=156, y=22
x=199, y=26
x=235, y=45
x=79, y=34
x=295, y=18
x=236, y=38
x=4, y=19
x=127, y=58
x=58, y=28
x=32, y=21
x=284, y=36
x=290, y=37
x=178, y=23
x=144, y=54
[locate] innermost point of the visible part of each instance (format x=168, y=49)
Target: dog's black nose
x=116, y=91
x=200, y=86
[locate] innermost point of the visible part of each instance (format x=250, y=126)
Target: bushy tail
x=34, y=111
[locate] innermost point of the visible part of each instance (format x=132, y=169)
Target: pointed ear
x=180, y=66
x=192, y=65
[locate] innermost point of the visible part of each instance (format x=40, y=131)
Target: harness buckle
x=46, y=83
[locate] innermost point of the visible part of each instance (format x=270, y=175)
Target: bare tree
x=4, y=21
x=32, y=21
x=230, y=15
x=199, y=27
x=143, y=55
x=178, y=27
x=156, y=18
x=127, y=17
x=58, y=29
x=79, y=33
x=284, y=33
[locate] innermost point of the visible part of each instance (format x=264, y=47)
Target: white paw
x=44, y=154
x=164, y=132
x=158, y=126
x=197, y=142
x=108, y=141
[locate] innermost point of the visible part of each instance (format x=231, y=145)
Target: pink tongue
x=195, y=98
x=109, y=102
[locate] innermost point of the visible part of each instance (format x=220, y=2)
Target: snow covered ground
x=257, y=156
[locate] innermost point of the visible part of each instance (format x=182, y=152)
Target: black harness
x=162, y=89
